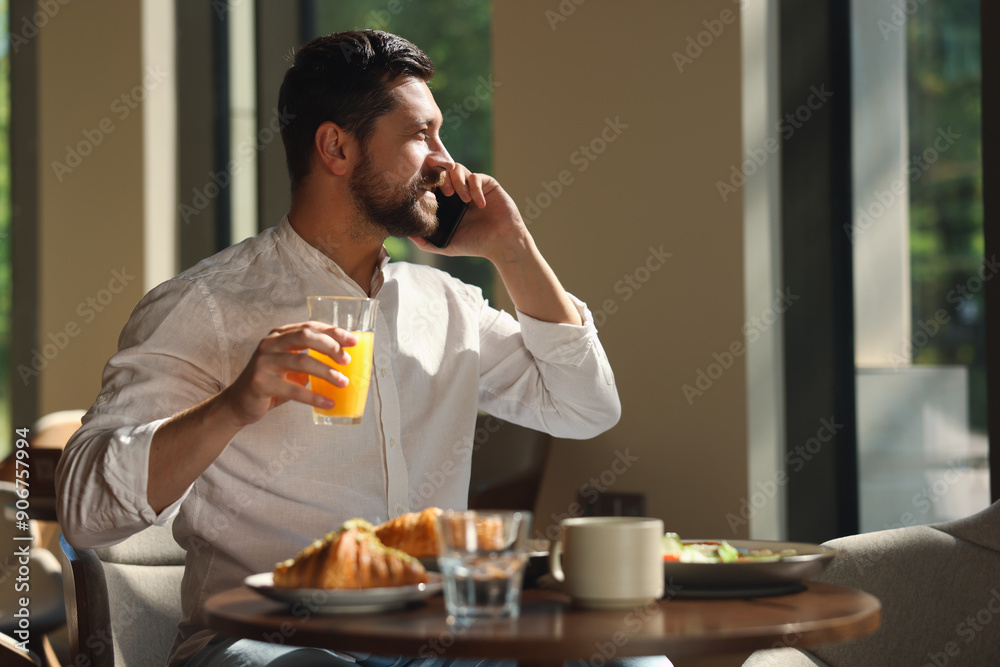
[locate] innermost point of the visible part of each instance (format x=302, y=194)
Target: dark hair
x=344, y=78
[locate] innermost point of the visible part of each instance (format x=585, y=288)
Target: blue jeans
x=249, y=653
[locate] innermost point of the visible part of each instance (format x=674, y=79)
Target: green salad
x=678, y=551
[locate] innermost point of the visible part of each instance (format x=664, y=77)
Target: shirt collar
x=287, y=235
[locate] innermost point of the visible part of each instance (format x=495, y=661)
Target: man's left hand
x=492, y=226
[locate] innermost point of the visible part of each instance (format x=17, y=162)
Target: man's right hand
x=278, y=371
x=185, y=446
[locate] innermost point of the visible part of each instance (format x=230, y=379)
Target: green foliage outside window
x=946, y=188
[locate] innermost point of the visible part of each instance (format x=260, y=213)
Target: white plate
x=749, y=578
x=345, y=601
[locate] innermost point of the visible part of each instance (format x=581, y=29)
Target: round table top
x=551, y=629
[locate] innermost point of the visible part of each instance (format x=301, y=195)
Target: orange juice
x=349, y=401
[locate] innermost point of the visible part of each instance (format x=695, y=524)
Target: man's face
x=404, y=160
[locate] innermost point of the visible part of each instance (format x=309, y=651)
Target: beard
x=388, y=209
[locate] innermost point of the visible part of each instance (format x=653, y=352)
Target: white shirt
x=441, y=353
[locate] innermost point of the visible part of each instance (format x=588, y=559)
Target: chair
x=107, y=589
x=940, y=591
x=508, y=462
x=54, y=430
x=49, y=435
x=12, y=656
x=48, y=612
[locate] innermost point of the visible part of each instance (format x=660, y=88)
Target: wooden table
x=550, y=630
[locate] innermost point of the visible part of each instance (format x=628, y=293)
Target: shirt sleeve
x=551, y=377
x=169, y=359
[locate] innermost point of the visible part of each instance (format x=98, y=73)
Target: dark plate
x=748, y=579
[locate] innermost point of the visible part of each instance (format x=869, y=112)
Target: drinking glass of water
x=482, y=559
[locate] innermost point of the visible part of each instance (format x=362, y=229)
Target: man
x=204, y=413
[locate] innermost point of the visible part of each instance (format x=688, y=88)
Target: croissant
x=414, y=533
x=352, y=557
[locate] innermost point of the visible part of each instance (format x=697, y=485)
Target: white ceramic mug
x=609, y=562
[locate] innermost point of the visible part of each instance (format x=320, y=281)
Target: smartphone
x=449, y=214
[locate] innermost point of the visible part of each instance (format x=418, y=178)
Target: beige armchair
x=108, y=589
x=940, y=592
x=47, y=611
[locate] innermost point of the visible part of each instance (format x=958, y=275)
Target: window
x=883, y=238
x=918, y=236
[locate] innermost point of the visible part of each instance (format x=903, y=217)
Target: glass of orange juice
x=357, y=315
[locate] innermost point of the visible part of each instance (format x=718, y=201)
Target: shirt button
x=382, y=372
x=400, y=510
x=392, y=442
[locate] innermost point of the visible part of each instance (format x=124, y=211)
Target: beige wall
x=558, y=83
x=653, y=185
x=91, y=216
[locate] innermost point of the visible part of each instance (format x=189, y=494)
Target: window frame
x=816, y=202
x=989, y=23
x=24, y=181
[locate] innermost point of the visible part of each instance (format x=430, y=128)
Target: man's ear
x=333, y=147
